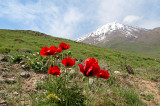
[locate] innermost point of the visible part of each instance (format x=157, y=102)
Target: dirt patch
x=146, y=87
x=29, y=84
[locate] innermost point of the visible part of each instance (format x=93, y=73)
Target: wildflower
x=45, y=51
x=59, y=50
x=53, y=96
x=54, y=70
x=64, y=46
x=91, y=67
x=68, y=61
x=103, y=74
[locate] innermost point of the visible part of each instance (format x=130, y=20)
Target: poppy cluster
x=51, y=51
x=45, y=51
x=92, y=68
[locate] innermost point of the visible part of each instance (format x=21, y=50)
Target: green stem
x=56, y=84
x=49, y=64
x=67, y=86
x=87, y=89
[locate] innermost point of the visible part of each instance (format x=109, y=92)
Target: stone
x=142, y=94
x=44, y=77
x=2, y=102
x=5, y=69
x=15, y=93
x=91, y=81
x=117, y=72
x=1, y=79
x=129, y=69
x=25, y=74
x=10, y=81
x=72, y=71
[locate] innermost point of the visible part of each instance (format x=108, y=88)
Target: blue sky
x=74, y=18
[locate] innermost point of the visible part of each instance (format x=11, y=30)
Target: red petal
x=43, y=51
x=81, y=68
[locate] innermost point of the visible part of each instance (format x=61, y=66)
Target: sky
x=73, y=19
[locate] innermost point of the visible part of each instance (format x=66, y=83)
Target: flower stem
x=67, y=86
x=87, y=89
x=56, y=84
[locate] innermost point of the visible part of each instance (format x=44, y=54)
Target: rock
x=72, y=71
x=5, y=69
x=25, y=74
x=1, y=80
x=5, y=58
x=10, y=81
x=15, y=93
x=117, y=72
x=4, y=105
x=2, y=102
x=129, y=69
x=23, y=66
x=44, y=77
x=142, y=94
x=91, y=81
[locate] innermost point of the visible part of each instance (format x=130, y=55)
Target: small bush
x=131, y=97
x=4, y=50
x=16, y=58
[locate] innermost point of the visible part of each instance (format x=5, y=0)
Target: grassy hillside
x=121, y=89
x=34, y=41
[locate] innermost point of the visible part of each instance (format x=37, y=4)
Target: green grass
x=30, y=41
x=103, y=92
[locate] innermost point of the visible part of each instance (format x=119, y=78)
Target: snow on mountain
x=101, y=33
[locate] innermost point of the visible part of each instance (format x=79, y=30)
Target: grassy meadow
x=19, y=51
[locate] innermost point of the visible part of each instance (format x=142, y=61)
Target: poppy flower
x=64, y=46
x=16, y=40
x=91, y=67
x=53, y=49
x=45, y=51
x=59, y=50
x=54, y=70
x=68, y=61
x=103, y=74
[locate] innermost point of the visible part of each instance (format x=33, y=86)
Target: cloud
x=46, y=17
x=72, y=19
x=150, y=24
x=131, y=19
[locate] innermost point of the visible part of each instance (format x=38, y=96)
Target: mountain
x=125, y=38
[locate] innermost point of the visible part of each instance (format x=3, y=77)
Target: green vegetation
x=23, y=48
x=30, y=41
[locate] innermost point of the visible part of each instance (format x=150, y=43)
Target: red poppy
x=53, y=49
x=103, y=74
x=68, y=61
x=91, y=67
x=54, y=70
x=45, y=51
x=59, y=50
x=64, y=46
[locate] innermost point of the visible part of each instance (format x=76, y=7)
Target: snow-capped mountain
x=111, y=31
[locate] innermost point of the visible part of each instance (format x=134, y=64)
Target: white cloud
x=43, y=16
x=131, y=19
x=72, y=19
x=150, y=24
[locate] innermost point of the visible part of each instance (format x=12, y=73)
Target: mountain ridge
x=117, y=36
